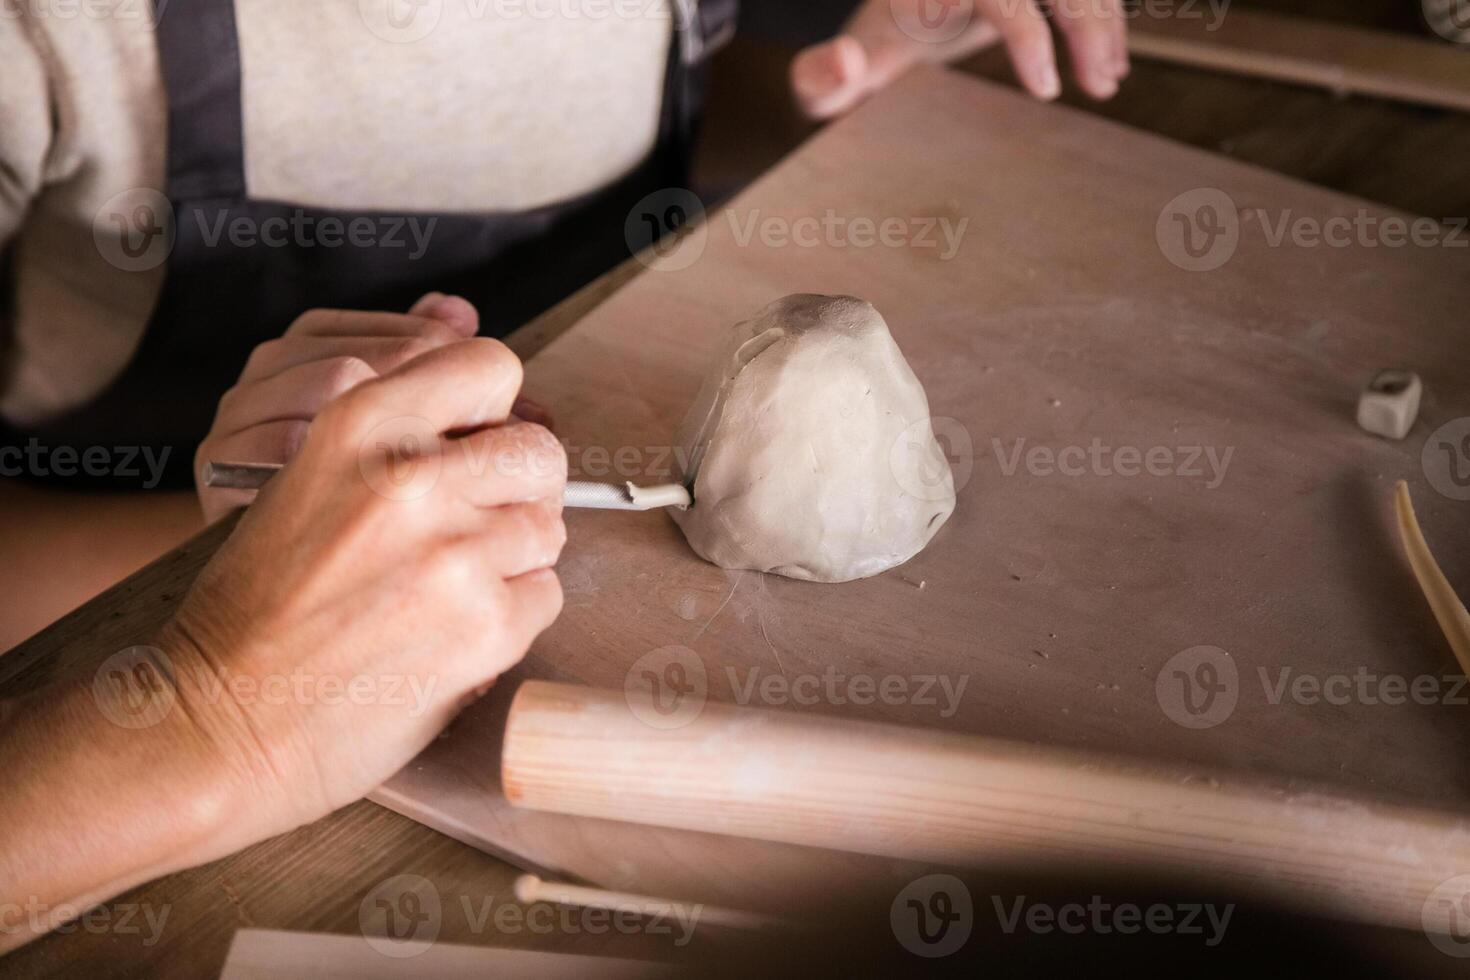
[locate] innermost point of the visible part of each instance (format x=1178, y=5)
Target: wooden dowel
x=962, y=800
x=530, y=889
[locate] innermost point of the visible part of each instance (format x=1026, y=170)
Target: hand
x=412, y=572
x=886, y=38
x=324, y=354
x=376, y=585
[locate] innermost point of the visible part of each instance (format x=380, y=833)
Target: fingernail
x=1103, y=86
x=828, y=77
x=425, y=303
x=444, y=308
x=449, y=309
x=818, y=73
x=1048, y=82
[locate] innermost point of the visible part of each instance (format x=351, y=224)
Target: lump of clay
x=812, y=448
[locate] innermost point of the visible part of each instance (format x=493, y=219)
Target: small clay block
x=1390, y=403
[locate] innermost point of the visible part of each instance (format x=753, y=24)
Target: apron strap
x=199, y=49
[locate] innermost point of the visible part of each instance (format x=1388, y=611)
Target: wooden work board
x=1057, y=597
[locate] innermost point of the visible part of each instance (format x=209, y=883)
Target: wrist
x=135, y=725
x=235, y=796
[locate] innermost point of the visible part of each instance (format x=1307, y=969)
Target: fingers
x=382, y=354
x=271, y=442
x=1097, y=42
x=384, y=340
x=505, y=572
x=510, y=541
x=535, y=602
x=298, y=392
x=829, y=79
x=532, y=411
x=454, y=310
x=517, y=610
x=884, y=39
x=1118, y=21
x=1028, y=41
x=467, y=385
x=506, y=464
x=434, y=312
x=322, y=356
x=326, y=353
x=520, y=538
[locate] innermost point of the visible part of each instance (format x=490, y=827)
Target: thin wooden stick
x=530, y=888
x=962, y=800
x=1449, y=611
x=1309, y=52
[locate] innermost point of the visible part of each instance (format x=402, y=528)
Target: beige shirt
x=415, y=105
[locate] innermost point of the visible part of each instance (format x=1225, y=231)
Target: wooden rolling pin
x=965, y=801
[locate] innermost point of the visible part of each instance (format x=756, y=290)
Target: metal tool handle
x=238, y=476
x=592, y=496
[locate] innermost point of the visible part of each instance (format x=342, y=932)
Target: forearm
x=58, y=549
x=110, y=784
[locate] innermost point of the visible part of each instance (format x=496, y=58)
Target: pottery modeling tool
x=586, y=496
x=530, y=889
x=1448, y=610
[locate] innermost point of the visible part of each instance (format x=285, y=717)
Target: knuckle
x=535, y=531
x=264, y=355
x=547, y=450
x=520, y=527
x=228, y=403
x=497, y=361
x=293, y=437
x=437, y=332
x=551, y=595
x=458, y=567
x=310, y=320
x=498, y=599
x=342, y=374
x=531, y=453
x=405, y=349
x=547, y=526
x=349, y=417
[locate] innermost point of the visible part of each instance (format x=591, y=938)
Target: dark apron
x=221, y=300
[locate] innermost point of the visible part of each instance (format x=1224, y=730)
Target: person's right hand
x=323, y=355
x=407, y=550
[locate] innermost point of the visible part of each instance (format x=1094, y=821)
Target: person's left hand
x=886, y=38
x=323, y=355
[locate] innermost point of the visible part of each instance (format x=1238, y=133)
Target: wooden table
x=316, y=877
